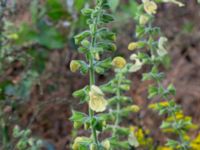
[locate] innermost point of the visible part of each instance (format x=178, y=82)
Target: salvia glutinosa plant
x=152, y=52
x=92, y=43
x=120, y=105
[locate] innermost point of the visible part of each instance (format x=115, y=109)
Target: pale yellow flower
x=132, y=140
x=143, y=19
x=132, y=46
x=74, y=65
x=150, y=7
x=119, y=62
x=138, y=64
x=97, y=101
x=161, y=46
x=106, y=144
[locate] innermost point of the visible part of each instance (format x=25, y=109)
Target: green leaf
x=172, y=143
x=106, y=18
x=81, y=36
x=152, y=91
x=78, y=116
x=165, y=125
x=84, y=67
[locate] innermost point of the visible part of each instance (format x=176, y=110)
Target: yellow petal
x=97, y=101
x=96, y=90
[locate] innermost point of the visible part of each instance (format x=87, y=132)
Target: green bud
x=93, y=146
x=85, y=43
x=87, y=11
x=77, y=125
x=78, y=38
x=86, y=126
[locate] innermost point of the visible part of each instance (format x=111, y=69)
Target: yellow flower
x=133, y=46
x=138, y=64
x=161, y=46
x=163, y=104
x=97, y=101
x=150, y=7
x=163, y=148
x=132, y=139
x=74, y=65
x=119, y=62
x=195, y=144
x=143, y=19
x=106, y=144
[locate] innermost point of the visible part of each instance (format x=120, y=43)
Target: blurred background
x=37, y=46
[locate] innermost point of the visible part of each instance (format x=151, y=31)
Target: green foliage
x=25, y=141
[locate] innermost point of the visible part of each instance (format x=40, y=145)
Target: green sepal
x=82, y=94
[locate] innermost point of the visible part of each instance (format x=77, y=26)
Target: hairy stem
x=117, y=109
x=92, y=81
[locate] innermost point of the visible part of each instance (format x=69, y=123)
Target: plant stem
x=118, y=107
x=92, y=82
x=174, y=118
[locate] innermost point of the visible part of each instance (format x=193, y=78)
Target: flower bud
x=135, y=108
x=74, y=65
x=77, y=125
x=85, y=43
x=86, y=126
x=132, y=46
x=119, y=62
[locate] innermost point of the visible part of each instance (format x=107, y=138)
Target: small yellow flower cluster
x=163, y=104
x=163, y=148
x=74, y=65
x=119, y=62
x=195, y=144
x=140, y=135
x=97, y=101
